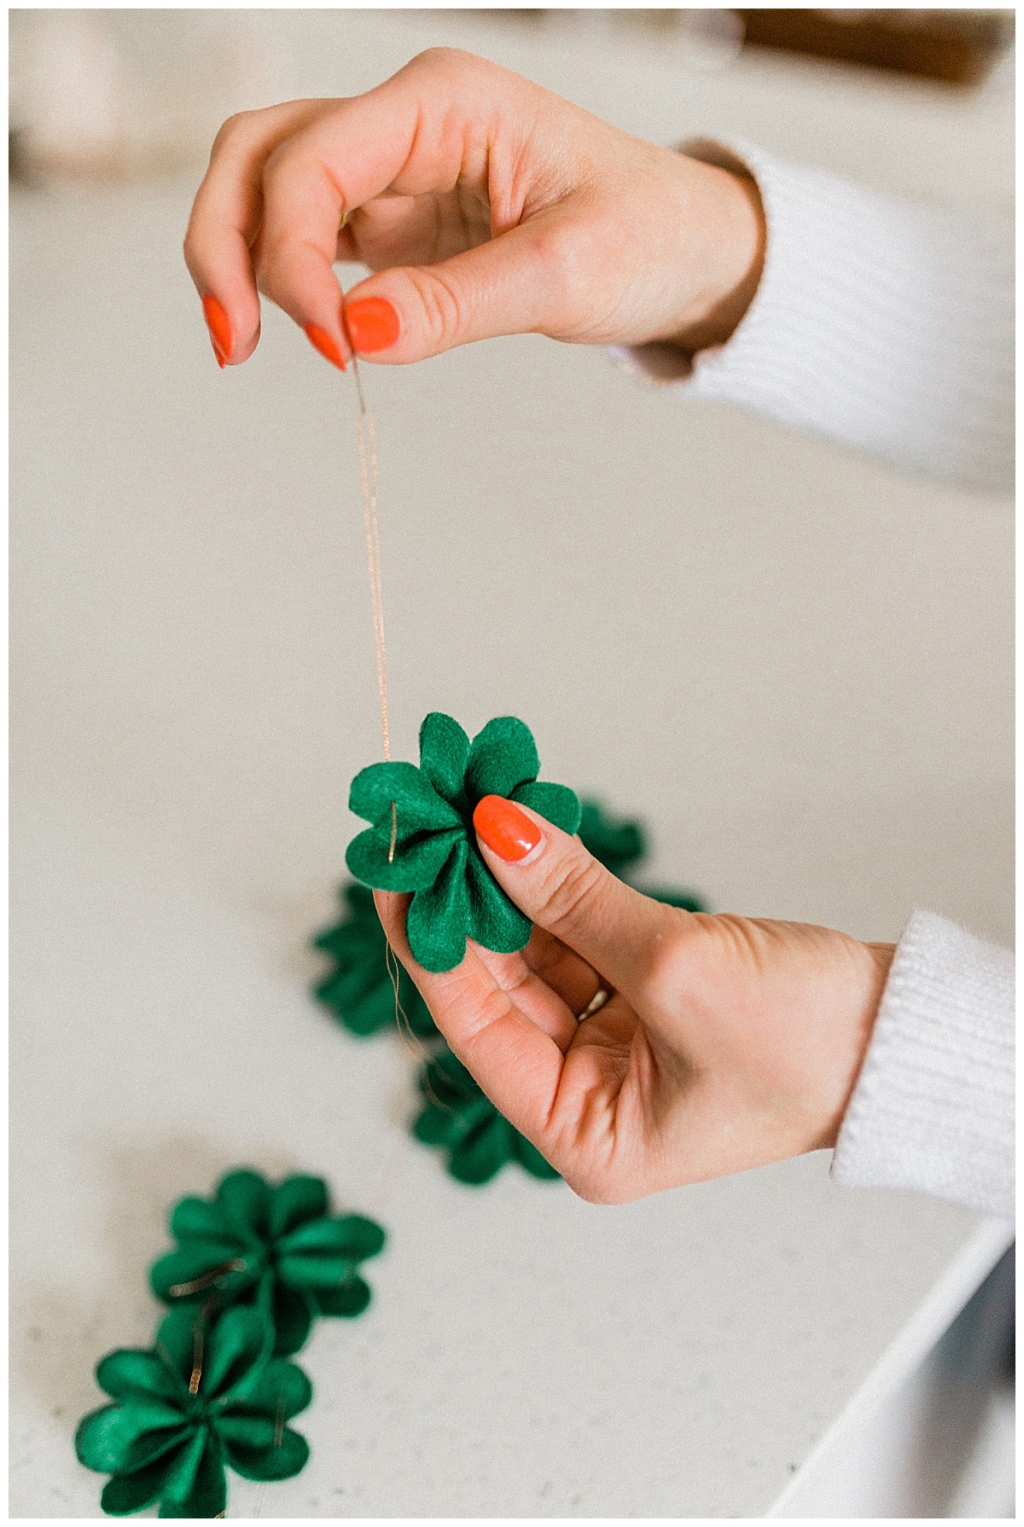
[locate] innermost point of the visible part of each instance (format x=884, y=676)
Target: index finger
x=227, y=212
x=516, y=1062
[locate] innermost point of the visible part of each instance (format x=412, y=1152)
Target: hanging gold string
x=367, y=442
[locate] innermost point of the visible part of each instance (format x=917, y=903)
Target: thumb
x=565, y=890
x=508, y=285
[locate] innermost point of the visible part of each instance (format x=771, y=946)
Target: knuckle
x=569, y=897
x=451, y=61
x=444, y=310
x=236, y=126
x=669, y=962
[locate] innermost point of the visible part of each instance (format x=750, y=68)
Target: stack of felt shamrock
x=422, y=840
x=252, y=1268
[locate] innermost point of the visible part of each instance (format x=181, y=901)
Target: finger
x=517, y=1064
x=576, y=982
x=531, y=994
x=533, y=997
x=565, y=890
x=317, y=178
x=428, y=129
x=509, y=285
x=226, y=217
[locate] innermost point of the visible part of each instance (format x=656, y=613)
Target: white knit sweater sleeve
x=880, y=322
x=933, y=1105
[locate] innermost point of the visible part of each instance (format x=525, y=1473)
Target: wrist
x=725, y=243
x=869, y=973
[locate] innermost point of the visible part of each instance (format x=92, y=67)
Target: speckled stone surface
x=800, y=679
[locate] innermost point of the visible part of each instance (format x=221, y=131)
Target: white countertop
x=794, y=664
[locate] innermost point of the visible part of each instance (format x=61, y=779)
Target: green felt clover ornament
x=359, y=990
x=461, y=1118
x=672, y=898
x=200, y=1398
x=278, y=1250
x=616, y=842
x=422, y=837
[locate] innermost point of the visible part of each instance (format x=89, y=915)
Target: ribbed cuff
x=882, y=323
x=933, y=1106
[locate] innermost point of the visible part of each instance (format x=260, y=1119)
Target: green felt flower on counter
x=277, y=1249
x=616, y=841
x=359, y=990
x=685, y=899
x=460, y=1117
x=422, y=837
x=201, y=1398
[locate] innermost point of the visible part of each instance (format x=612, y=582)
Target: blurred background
x=792, y=662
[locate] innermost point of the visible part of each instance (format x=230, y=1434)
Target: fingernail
x=322, y=341
x=219, y=325
x=505, y=829
x=372, y=324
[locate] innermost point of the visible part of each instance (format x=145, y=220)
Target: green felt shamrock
x=671, y=898
x=617, y=842
x=201, y=1397
x=276, y=1249
x=359, y=990
x=459, y=1116
x=422, y=838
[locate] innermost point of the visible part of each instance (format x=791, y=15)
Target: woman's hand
x=487, y=205
x=727, y=1042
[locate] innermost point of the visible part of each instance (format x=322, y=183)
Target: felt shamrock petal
x=233, y=1348
x=282, y=1390
x=296, y=1200
x=347, y=1299
x=313, y=1273
x=176, y=1339
x=360, y=990
x=502, y=757
x=199, y=1219
x=494, y=920
x=555, y=803
x=684, y=899
x=438, y=917
x=119, y=1438
x=418, y=806
x=293, y=1312
x=444, y=754
x=483, y=1153
x=125, y=1493
x=436, y=1126
x=348, y=1235
x=284, y=1457
x=616, y=841
x=460, y=1117
x=417, y=860
x=530, y=1158
x=197, y=1486
x=244, y=1199
x=131, y=1372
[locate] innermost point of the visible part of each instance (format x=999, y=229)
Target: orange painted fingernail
x=372, y=324
x=219, y=325
x=322, y=341
x=505, y=829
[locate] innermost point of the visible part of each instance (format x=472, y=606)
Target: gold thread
x=197, y=1358
x=182, y=1290
x=367, y=442
x=371, y=527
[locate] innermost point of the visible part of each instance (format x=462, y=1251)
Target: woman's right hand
x=483, y=204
